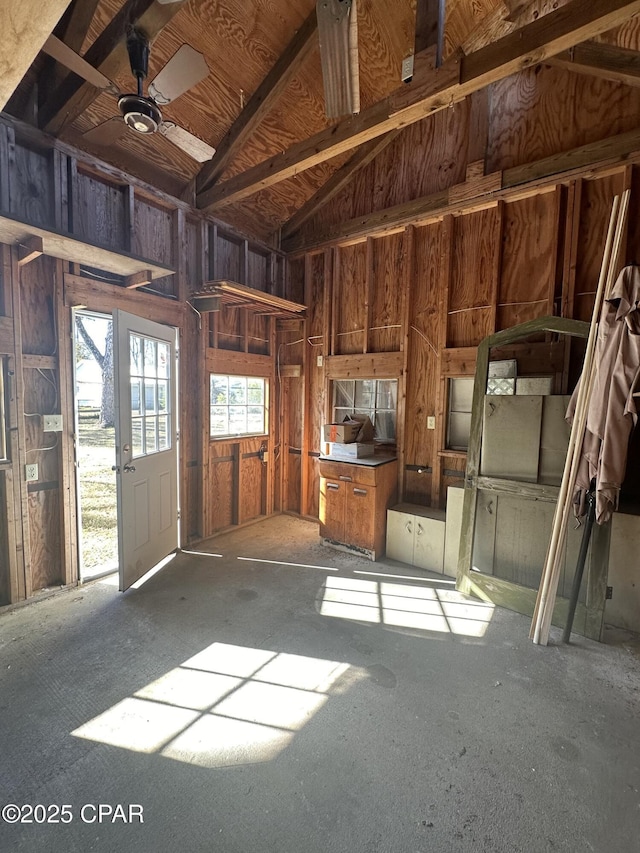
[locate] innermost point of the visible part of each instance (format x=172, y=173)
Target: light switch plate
x=52, y=423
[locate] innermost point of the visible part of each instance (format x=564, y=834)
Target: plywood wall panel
x=193, y=249
x=153, y=238
x=257, y=334
x=527, y=275
x=475, y=244
x=258, y=270
x=385, y=332
x=44, y=538
x=221, y=497
x=100, y=212
x=350, y=289
x=295, y=280
x=229, y=259
x=4, y=543
x=525, y=110
x=229, y=322
x=595, y=211
x=37, y=307
x=31, y=196
x=251, y=493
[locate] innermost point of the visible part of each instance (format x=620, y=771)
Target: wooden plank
x=382, y=365
x=6, y=335
x=30, y=249
x=109, y=55
x=60, y=245
x=475, y=187
x=68, y=503
x=444, y=296
x=76, y=23
x=458, y=361
x=39, y=362
x=239, y=363
x=369, y=295
x=25, y=27
x=287, y=66
x=598, y=59
x=549, y=34
x=234, y=293
x=138, y=279
x=100, y=296
x=408, y=280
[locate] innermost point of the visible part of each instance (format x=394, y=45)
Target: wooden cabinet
x=354, y=497
x=415, y=535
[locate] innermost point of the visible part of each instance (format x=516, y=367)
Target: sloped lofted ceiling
x=270, y=174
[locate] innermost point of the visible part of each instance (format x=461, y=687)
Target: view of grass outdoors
x=96, y=444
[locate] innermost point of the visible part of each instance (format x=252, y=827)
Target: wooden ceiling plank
x=25, y=27
x=340, y=178
x=261, y=102
x=602, y=60
x=109, y=55
x=553, y=33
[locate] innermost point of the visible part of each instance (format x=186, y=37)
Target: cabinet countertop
x=365, y=461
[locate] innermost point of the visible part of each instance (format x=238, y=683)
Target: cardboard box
x=353, y=450
x=341, y=433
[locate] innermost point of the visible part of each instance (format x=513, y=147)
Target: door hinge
x=609, y=594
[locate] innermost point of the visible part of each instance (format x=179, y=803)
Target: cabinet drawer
x=346, y=473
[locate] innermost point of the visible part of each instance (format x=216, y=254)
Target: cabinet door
x=428, y=549
x=332, y=509
x=400, y=527
x=360, y=516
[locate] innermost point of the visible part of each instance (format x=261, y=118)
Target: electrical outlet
x=406, y=72
x=319, y=360
x=52, y=423
x=431, y=422
x=31, y=472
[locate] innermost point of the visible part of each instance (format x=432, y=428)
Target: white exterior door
x=146, y=443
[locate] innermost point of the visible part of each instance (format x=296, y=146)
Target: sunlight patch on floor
x=226, y=705
x=422, y=608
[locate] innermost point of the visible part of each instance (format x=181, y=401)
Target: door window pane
x=150, y=395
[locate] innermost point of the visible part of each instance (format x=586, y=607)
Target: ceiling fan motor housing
x=140, y=114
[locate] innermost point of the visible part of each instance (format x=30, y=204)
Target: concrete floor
x=303, y=707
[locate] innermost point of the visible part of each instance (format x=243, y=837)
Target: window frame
x=264, y=406
x=339, y=412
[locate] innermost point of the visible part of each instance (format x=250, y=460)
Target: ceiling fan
x=141, y=113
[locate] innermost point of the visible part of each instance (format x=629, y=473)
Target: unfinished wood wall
x=456, y=230
x=73, y=195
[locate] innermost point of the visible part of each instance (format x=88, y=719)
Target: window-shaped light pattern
x=150, y=373
x=238, y=405
x=376, y=398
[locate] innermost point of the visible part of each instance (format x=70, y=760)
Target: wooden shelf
x=69, y=248
x=452, y=454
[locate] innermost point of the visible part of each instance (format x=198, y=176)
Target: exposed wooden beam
x=261, y=102
x=75, y=24
x=430, y=16
x=340, y=178
x=109, y=55
x=138, y=279
x=602, y=60
x=24, y=27
x=558, y=168
x=455, y=79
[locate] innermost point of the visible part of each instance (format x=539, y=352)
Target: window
x=150, y=372
x=459, y=422
x=238, y=405
x=376, y=398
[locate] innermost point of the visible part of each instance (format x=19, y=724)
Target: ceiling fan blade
x=190, y=144
x=107, y=133
x=185, y=68
x=63, y=54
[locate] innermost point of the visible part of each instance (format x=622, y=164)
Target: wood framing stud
x=138, y=279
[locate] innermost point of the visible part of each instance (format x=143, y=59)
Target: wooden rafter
x=261, y=102
x=340, y=178
x=109, y=55
x=455, y=79
x=75, y=24
x=602, y=60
